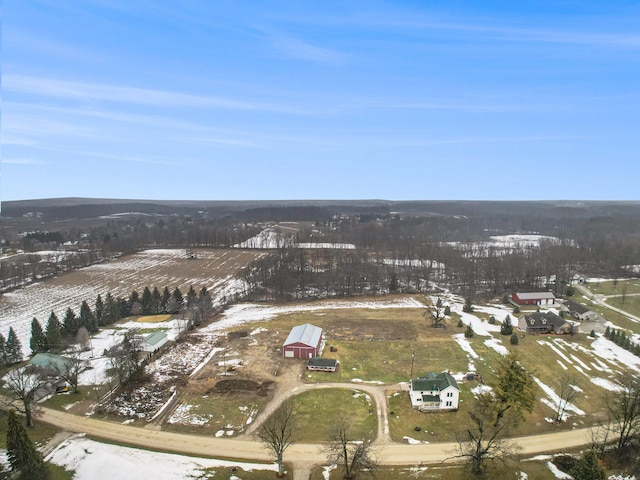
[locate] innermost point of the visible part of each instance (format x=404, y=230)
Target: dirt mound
x=234, y=385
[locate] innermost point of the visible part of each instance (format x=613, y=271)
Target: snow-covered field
x=214, y=269
x=93, y=460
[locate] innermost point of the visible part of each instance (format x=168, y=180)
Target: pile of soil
x=234, y=385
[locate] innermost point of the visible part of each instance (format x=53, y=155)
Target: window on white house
x=449, y=404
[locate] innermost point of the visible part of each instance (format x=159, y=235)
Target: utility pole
x=413, y=355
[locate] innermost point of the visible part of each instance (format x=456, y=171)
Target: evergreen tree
x=164, y=301
x=516, y=309
x=123, y=307
x=87, y=318
x=468, y=305
x=607, y=332
x=468, y=332
x=191, y=296
x=25, y=460
x=205, y=304
x=507, y=327
x=70, y=325
x=3, y=351
x=98, y=311
x=111, y=312
x=134, y=297
x=147, y=302
x=492, y=320
x=38, y=342
x=156, y=300
x=53, y=333
x=178, y=300
x=447, y=310
x=514, y=339
x=13, y=347
x=588, y=468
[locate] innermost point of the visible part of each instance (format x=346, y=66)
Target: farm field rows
x=215, y=269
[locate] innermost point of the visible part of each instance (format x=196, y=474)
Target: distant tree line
x=392, y=252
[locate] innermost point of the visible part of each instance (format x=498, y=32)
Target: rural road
x=302, y=456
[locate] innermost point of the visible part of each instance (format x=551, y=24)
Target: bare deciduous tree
x=566, y=393
x=352, y=454
x=484, y=440
x=69, y=370
x=277, y=433
x=23, y=383
x=624, y=412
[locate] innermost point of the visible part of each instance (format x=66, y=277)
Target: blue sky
x=228, y=100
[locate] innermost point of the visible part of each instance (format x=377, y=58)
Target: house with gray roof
x=547, y=322
x=319, y=364
x=304, y=341
x=579, y=311
x=434, y=392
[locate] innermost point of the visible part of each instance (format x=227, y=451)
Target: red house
x=534, y=298
x=304, y=341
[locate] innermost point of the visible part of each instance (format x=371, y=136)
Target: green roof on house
x=50, y=361
x=434, y=382
x=155, y=337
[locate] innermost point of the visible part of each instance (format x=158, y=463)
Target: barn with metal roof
x=304, y=341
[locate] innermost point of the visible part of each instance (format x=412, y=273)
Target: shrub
x=516, y=309
x=468, y=332
x=492, y=320
x=514, y=339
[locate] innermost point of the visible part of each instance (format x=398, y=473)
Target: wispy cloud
x=301, y=50
x=21, y=161
x=48, y=87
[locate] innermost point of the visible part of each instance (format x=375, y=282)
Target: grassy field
x=377, y=346
x=333, y=405
x=614, y=288
x=153, y=318
x=212, y=413
x=507, y=469
x=630, y=304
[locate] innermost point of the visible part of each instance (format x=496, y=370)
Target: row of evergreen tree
x=76, y=328
x=621, y=339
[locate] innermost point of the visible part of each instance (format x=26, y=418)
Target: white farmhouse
x=434, y=392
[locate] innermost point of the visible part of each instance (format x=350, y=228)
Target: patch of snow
x=413, y=441
x=326, y=471
x=606, y=384
x=90, y=460
x=480, y=389
x=558, y=473
x=496, y=344
x=562, y=364
x=554, y=399
x=465, y=345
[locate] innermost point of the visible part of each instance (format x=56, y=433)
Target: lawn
x=213, y=413
x=614, y=287
x=152, y=318
x=500, y=469
x=630, y=304
x=332, y=405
